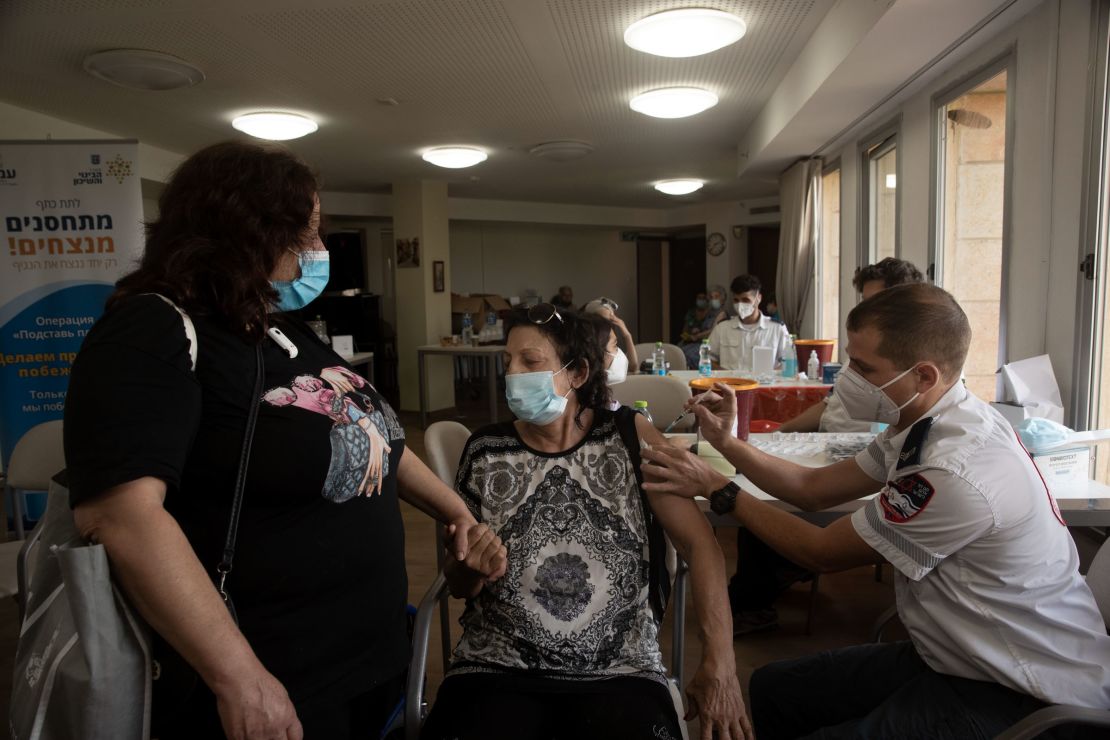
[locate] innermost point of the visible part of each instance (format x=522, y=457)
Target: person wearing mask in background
x=564, y=299
x=732, y=340
x=761, y=573
x=696, y=326
x=830, y=415
x=616, y=361
x=771, y=308
x=606, y=308
x=1001, y=623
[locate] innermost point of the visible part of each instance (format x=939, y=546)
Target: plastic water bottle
x=790, y=359
x=813, y=367
x=658, y=360
x=705, y=362
x=640, y=407
x=467, y=329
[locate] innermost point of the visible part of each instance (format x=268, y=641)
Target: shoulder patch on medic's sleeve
x=910, y=454
x=905, y=498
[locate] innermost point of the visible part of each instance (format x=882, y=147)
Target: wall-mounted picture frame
x=408, y=252
x=437, y=276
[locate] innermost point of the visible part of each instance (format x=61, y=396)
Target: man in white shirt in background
x=1000, y=620
x=732, y=340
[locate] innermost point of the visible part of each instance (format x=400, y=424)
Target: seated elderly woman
x=562, y=638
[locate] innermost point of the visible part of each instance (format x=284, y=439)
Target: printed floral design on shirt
x=564, y=587
x=360, y=432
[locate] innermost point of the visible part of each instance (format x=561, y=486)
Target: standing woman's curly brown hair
x=227, y=216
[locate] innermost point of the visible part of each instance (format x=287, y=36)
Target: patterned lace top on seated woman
x=574, y=602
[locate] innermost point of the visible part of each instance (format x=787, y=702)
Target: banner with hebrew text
x=70, y=225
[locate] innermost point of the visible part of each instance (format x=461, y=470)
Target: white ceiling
x=501, y=74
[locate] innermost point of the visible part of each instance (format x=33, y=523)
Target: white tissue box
x=1063, y=469
x=1017, y=413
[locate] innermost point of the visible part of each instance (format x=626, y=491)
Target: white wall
x=507, y=258
x=1051, y=45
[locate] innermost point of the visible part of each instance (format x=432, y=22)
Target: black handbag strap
x=241, y=477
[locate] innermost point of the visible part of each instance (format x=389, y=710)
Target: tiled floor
x=846, y=608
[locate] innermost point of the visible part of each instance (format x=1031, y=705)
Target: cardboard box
x=1064, y=469
x=478, y=304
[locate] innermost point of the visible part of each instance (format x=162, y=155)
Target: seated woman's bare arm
x=161, y=575
x=715, y=689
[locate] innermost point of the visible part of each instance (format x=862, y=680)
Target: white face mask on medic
x=865, y=401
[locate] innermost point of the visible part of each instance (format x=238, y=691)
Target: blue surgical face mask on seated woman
x=315, y=269
x=532, y=396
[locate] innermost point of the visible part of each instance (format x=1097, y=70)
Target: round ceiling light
x=685, y=32
x=561, y=151
x=673, y=102
x=454, y=157
x=275, y=126
x=139, y=69
x=679, y=187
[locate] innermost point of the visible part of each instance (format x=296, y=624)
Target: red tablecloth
x=784, y=402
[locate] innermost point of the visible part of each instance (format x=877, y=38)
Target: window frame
x=1004, y=62
x=828, y=169
x=879, y=142
x=1092, y=294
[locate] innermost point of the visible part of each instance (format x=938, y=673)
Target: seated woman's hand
x=714, y=697
x=486, y=556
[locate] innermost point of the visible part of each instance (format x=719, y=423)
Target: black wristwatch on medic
x=723, y=500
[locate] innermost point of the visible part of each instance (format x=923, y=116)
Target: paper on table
x=763, y=361
x=1031, y=383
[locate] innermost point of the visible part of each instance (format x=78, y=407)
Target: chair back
x=665, y=396
x=1098, y=578
x=444, y=441
x=37, y=457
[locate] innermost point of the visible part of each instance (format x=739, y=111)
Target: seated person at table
x=1000, y=620
x=830, y=415
x=564, y=298
x=761, y=573
x=731, y=341
x=606, y=308
x=615, y=362
x=698, y=324
x=564, y=642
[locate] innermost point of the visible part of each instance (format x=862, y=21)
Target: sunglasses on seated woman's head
x=541, y=313
x=608, y=303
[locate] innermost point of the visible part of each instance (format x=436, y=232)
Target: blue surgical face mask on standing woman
x=532, y=397
x=315, y=269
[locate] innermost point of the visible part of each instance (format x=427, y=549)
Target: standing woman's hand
x=257, y=707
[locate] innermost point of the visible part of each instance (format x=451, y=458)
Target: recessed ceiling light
x=140, y=69
x=685, y=32
x=561, y=151
x=275, y=126
x=673, y=102
x=678, y=187
x=454, y=157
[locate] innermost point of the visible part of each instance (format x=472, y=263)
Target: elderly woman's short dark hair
x=577, y=338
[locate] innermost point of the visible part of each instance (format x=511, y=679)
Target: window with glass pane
x=971, y=181
x=883, y=205
x=830, y=255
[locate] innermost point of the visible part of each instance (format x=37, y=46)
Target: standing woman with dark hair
x=155, y=422
x=565, y=642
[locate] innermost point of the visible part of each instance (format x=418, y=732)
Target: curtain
x=800, y=205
